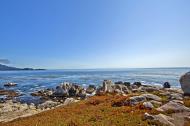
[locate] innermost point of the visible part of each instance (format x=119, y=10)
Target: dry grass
x=96, y=111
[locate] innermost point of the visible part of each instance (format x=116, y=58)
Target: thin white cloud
x=4, y=61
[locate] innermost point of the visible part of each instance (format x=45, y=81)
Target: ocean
x=30, y=81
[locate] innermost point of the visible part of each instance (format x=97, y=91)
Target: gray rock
x=60, y=92
x=134, y=86
x=118, y=91
x=148, y=88
x=156, y=103
x=166, y=85
x=185, y=83
x=134, y=90
x=178, y=101
x=100, y=91
x=176, y=96
x=46, y=92
x=69, y=101
x=10, y=84
x=73, y=91
x=148, y=105
x=173, y=106
x=165, y=120
x=135, y=100
x=66, y=85
x=91, y=89
x=151, y=97
x=107, y=86
x=121, y=89
x=148, y=116
x=47, y=104
x=127, y=84
x=82, y=94
x=12, y=110
x=138, y=84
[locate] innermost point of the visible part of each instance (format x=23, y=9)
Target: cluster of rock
x=10, y=110
x=151, y=97
x=66, y=90
x=8, y=94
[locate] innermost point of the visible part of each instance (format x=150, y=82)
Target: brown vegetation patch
x=95, y=111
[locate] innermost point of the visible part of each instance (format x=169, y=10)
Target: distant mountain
x=7, y=68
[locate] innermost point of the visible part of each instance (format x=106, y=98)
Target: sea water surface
x=30, y=81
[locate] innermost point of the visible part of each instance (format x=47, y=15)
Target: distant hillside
x=7, y=68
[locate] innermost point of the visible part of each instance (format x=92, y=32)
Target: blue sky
x=95, y=33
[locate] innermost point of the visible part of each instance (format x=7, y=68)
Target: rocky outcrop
x=45, y=92
x=11, y=110
x=9, y=93
x=60, y=92
x=10, y=84
x=135, y=100
x=110, y=87
x=107, y=86
x=137, y=84
x=175, y=96
x=148, y=105
x=48, y=105
x=148, y=88
x=163, y=119
x=173, y=107
x=151, y=97
x=69, y=101
x=121, y=89
x=66, y=89
x=91, y=89
x=166, y=85
x=142, y=98
x=185, y=83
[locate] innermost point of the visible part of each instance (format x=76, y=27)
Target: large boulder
x=185, y=83
x=166, y=85
x=174, y=107
x=135, y=100
x=119, y=88
x=137, y=84
x=91, y=89
x=127, y=84
x=148, y=105
x=148, y=88
x=163, y=119
x=151, y=97
x=107, y=86
x=175, y=96
x=82, y=94
x=60, y=92
x=73, y=91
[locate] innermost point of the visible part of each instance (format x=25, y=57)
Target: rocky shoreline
x=164, y=100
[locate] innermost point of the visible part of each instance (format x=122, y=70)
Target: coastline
x=150, y=99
